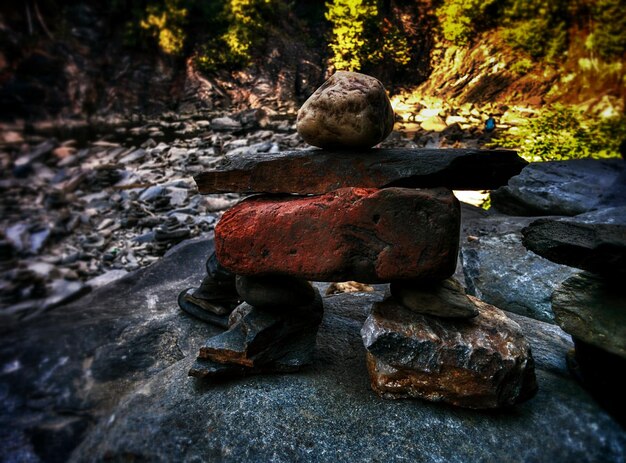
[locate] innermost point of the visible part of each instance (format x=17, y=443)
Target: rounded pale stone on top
x=350, y=110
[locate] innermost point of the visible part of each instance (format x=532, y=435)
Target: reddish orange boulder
x=362, y=234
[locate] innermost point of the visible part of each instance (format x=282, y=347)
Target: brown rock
x=442, y=299
x=320, y=171
x=359, y=234
x=484, y=362
x=350, y=110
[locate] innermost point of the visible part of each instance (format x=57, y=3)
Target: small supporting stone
x=483, y=362
x=442, y=299
x=216, y=297
x=259, y=340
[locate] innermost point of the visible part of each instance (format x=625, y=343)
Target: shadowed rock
x=321, y=171
x=592, y=310
x=358, y=234
x=595, y=241
x=275, y=291
x=484, y=362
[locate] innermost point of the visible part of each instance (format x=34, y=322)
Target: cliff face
x=75, y=60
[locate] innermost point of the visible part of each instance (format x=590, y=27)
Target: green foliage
x=561, y=132
x=459, y=18
x=521, y=66
x=537, y=27
x=361, y=37
x=165, y=21
x=349, y=19
x=608, y=37
x=242, y=24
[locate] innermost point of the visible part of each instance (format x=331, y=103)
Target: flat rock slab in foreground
x=360, y=234
x=484, y=362
x=318, y=171
x=107, y=377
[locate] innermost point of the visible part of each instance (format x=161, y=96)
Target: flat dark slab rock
x=105, y=379
x=321, y=171
x=595, y=241
x=563, y=188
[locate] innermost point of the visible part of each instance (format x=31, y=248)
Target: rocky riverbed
x=85, y=203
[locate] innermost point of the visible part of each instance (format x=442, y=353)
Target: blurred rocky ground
x=85, y=203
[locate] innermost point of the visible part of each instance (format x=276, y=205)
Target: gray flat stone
x=321, y=171
x=563, y=188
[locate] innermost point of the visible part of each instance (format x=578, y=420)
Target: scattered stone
x=226, y=124
x=359, y=234
x=348, y=287
x=593, y=310
x=484, y=362
x=595, y=241
x=558, y=187
x=316, y=172
x=350, y=110
x=106, y=278
x=275, y=291
x=442, y=299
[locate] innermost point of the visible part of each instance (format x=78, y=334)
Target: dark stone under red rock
x=361, y=234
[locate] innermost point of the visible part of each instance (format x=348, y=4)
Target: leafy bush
x=166, y=23
x=608, y=37
x=459, y=18
x=561, y=132
x=521, y=66
x=349, y=19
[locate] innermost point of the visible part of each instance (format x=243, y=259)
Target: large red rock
x=361, y=234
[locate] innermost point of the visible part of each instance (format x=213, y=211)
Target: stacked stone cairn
x=591, y=305
x=351, y=213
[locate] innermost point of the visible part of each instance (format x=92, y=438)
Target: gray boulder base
x=500, y=271
x=105, y=379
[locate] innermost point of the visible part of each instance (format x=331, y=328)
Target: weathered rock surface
x=134, y=397
x=360, y=234
x=484, y=362
x=561, y=188
x=499, y=270
x=349, y=110
x=593, y=310
x=273, y=291
x=442, y=299
x=320, y=171
x=595, y=241
x=257, y=337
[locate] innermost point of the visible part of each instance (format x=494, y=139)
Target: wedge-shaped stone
x=483, y=362
x=320, y=171
x=595, y=241
x=366, y=235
